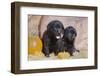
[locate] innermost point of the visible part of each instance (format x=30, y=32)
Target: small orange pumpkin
x=35, y=45
x=63, y=55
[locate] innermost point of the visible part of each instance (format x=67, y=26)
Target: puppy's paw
x=78, y=50
x=47, y=55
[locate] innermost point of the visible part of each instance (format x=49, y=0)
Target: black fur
x=53, y=38
x=69, y=38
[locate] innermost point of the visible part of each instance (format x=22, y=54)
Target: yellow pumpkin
x=63, y=55
x=35, y=45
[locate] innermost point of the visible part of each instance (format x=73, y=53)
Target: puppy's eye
x=73, y=32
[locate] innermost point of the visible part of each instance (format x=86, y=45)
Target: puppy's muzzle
x=60, y=36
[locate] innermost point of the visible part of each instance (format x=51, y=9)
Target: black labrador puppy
x=69, y=38
x=53, y=38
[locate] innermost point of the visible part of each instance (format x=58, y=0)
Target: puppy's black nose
x=59, y=31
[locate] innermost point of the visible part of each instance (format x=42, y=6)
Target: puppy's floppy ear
x=62, y=26
x=75, y=31
x=72, y=28
x=50, y=25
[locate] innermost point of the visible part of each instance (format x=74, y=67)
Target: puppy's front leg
x=46, y=52
x=59, y=47
x=46, y=47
